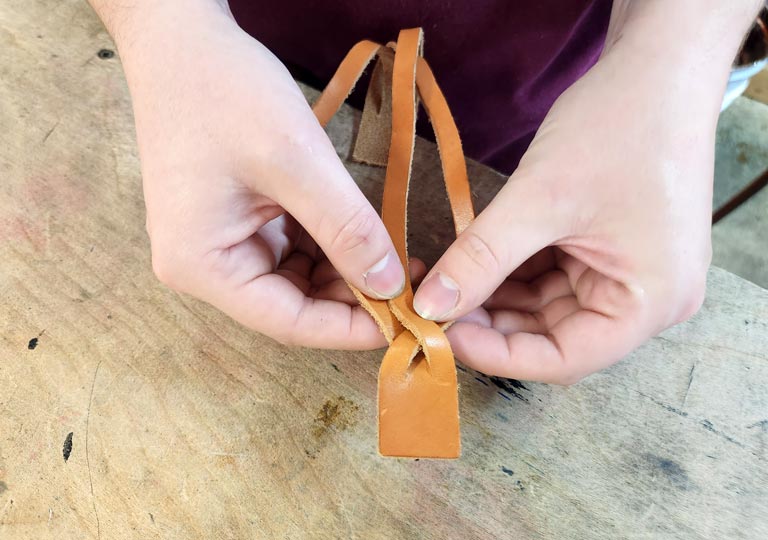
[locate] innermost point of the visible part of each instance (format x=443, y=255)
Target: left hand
x=599, y=240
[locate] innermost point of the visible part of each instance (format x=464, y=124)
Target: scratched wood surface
x=186, y=425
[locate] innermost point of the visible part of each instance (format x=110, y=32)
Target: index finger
x=578, y=345
x=271, y=304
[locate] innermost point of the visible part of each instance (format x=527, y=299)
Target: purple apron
x=501, y=64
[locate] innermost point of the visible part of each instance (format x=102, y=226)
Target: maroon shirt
x=500, y=63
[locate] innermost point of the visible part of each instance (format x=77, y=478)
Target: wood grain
x=187, y=425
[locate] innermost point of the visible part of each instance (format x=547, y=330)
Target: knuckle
x=480, y=252
x=355, y=232
x=169, y=266
x=693, y=299
x=291, y=151
x=165, y=270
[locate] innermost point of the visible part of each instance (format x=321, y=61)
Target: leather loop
x=418, y=390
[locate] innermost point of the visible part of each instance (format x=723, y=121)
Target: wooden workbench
x=187, y=425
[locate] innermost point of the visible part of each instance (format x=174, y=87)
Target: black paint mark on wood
x=709, y=427
x=763, y=425
x=34, y=341
x=151, y=517
x=508, y=472
x=334, y=366
x=460, y=368
x=67, y=450
x=105, y=54
x=478, y=379
x=510, y=386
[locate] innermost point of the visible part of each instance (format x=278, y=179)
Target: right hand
x=248, y=206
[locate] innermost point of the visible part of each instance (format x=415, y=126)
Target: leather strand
x=344, y=80
x=418, y=390
x=449, y=145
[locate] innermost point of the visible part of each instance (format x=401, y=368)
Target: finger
x=281, y=234
x=573, y=268
x=538, y=264
x=324, y=272
x=417, y=269
x=530, y=296
x=271, y=304
x=509, y=321
x=295, y=269
x=336, y=290
x=297, y=263
x=478, y=316
x=315, y=188
x=507, y=233
x=580, y=344
x=330, y=286
x=556, y=311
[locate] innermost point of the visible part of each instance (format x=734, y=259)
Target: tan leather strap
x=344, y=80
x=418, y=395
x=449, y=146
x=376, y=120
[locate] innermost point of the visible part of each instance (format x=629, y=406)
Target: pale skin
x=598, y=241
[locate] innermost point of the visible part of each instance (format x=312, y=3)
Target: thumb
x=333, y=210
x=508, y=232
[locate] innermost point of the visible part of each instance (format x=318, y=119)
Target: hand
x=600, y=239
x=248, y=206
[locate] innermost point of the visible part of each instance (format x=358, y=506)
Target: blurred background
x=740, y=232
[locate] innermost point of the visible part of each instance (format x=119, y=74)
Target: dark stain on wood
x=67, y=449
x=672, y=471
x=508, y=472
x=3, y=487
x=336, y=414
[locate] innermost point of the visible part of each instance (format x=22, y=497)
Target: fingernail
x=386, y=278
x=437, y=297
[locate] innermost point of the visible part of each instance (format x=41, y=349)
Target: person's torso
x=501, y=64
